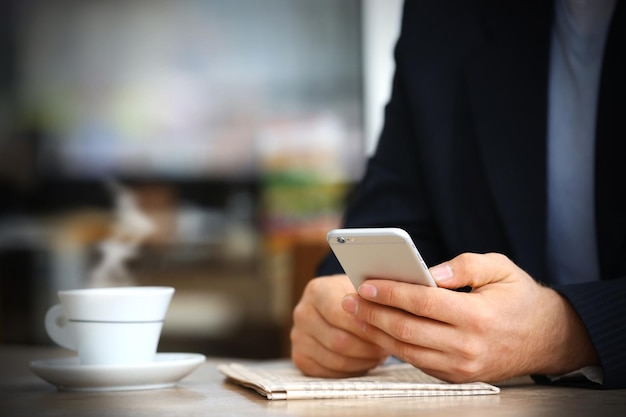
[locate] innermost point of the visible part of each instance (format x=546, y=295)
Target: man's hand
x=507, y=326
x=325, y=340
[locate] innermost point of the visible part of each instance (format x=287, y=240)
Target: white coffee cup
x=110, y=326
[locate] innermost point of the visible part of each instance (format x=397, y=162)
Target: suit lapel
x=507, y=85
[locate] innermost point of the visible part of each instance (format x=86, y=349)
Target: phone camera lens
x=341, y=240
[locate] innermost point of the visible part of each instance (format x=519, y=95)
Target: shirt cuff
x=591, y=373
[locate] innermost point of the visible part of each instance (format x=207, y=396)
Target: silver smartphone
x=387, y=253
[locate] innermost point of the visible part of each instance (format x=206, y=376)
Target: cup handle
x=58, y=327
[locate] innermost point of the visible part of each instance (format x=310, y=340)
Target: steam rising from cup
x=130, y=228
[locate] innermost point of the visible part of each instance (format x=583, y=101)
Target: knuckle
x=299, y=313
x=395, y=295
x=473, y=351
x=402, y=330
x=466, y=370
x=340, y=342
x=312, y=288
x=470, y=347
x=483, y=320
x=367, y=313
x=338, y=362
x=294, y=336
x=469, y=361
x=304, y=364
x=407, y=353
x=499, y=257
x=425, y=306
x=464, y=258
x=298, y=359
x=298, y=363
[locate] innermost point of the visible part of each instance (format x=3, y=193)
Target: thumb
x=472, y=270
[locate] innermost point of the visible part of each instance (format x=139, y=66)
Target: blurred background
x=207, y=145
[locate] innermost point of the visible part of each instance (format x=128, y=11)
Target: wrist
x=567, y=345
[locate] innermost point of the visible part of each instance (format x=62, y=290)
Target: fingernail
x=350, y=304
x=368, y=291
x=442, y=273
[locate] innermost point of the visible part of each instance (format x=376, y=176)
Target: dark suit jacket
x=461, y=161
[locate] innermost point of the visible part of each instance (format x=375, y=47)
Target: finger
x=352, y=344
x=334, y=330
x=325, y=340
x=433, y=303
x=338, y=326
x=403, y=326
x=316, y=360
x=473, y=270
x=323, y=314
x=435, y=362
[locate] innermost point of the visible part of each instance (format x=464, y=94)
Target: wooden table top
x=205, y=393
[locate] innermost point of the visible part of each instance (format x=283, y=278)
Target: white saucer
x=69, y=375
